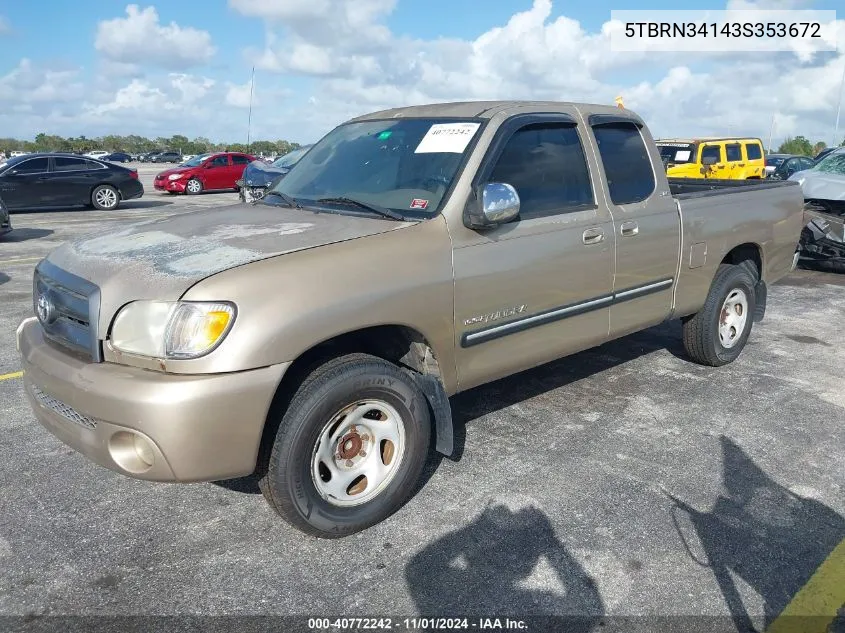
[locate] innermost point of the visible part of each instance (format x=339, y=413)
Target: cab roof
x=489, y=109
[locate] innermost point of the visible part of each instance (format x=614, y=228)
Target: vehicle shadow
x=22, y=235
x=4, y=278
x=762, y=533
x=504, y=393
x=505, y=563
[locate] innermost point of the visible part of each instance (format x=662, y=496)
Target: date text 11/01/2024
x=416, y=624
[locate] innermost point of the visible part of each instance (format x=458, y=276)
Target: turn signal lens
x=196, y=328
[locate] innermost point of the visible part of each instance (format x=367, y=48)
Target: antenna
x=249, y=120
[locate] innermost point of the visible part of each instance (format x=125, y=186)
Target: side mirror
x=495, y=203
x=709, y=160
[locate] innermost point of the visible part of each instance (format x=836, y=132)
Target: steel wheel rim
x=358, y=453
x=106, y=197
x=733, y=317
x=193, y=186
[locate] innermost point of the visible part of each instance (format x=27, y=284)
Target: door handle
x=592, y=236
x=629, y=228
x=42, y=178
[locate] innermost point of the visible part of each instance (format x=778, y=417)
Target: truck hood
x=162, y=259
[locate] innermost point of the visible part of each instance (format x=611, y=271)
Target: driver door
x=217, y=172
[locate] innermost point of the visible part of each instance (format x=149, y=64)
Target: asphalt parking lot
x=621, y=481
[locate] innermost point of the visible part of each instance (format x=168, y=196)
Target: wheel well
x=395, y=343
x=746, y=253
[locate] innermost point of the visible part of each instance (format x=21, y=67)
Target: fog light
x=132, y=452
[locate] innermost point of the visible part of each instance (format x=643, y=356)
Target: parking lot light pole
x=249, y=118
x=839, y=108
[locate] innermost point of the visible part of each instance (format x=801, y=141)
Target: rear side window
x=711, y=151
x=630, y=177
x=62, y=163
x=239, y=159
x=753, y=151
x=545, y=164
x=733, y=152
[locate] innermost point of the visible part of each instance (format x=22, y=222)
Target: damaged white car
x=823, y=239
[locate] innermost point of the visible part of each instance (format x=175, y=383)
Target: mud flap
x=761, y=293
x=441, y=409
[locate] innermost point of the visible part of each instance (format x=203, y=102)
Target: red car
x=206, y=172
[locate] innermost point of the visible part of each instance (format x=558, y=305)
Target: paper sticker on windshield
x=682, y=154
x=447, y=137
x=419, y=203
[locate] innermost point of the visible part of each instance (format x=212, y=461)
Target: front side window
x=406, y=165
x=220, y=161
x=62, y=163
x=196, y=161
x=733, y=152
x=627, y=166
x=712, y=152
x=753, y=151
x=32, y=166
x=545, y=164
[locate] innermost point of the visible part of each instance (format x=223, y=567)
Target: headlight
x=175, y=176
x=171, y=329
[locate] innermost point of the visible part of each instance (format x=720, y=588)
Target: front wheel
x=350, y=448
x=193, y=187
x=717, y=333
x=105, y=198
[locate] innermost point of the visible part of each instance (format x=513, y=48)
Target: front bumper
x=170, y=185
x=147, y=424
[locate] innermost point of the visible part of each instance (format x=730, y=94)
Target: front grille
x=73, y=305
x=64, y=410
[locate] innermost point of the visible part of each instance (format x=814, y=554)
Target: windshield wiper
x=288, y=200
x=369, y=206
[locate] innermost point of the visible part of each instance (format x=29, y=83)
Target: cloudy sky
x=158, y=69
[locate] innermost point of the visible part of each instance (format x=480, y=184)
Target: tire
x=105, y=198
x=323, y=420
x=193, y=187
x=706, y=339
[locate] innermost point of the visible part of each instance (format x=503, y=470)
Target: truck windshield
x=405, y=165
x=677, y=153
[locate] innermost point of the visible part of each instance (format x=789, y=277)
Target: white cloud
x=536, y=56
x=238, y=95
x=30, y=83
x=140, y=37
x=5, y=27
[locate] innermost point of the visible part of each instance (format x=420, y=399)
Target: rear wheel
x=350, y=448
x=193, y=187
x=105, y=198
x=717, y=333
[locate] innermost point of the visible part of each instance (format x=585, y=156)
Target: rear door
x=735, y=162
x=239, y=163
x=26, y=184
x=646, y=223
x=538, y=287
x=719, y=169
x=71, y=180
x=755, y=165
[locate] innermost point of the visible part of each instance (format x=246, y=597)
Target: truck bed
x=686, y=188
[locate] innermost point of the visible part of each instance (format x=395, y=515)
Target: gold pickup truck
x=314, y=338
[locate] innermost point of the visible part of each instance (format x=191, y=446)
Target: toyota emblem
x=45, y=309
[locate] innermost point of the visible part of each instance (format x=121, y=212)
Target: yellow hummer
x=726, y=158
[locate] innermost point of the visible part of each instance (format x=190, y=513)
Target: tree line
x=802, y=146
x=134, y=144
